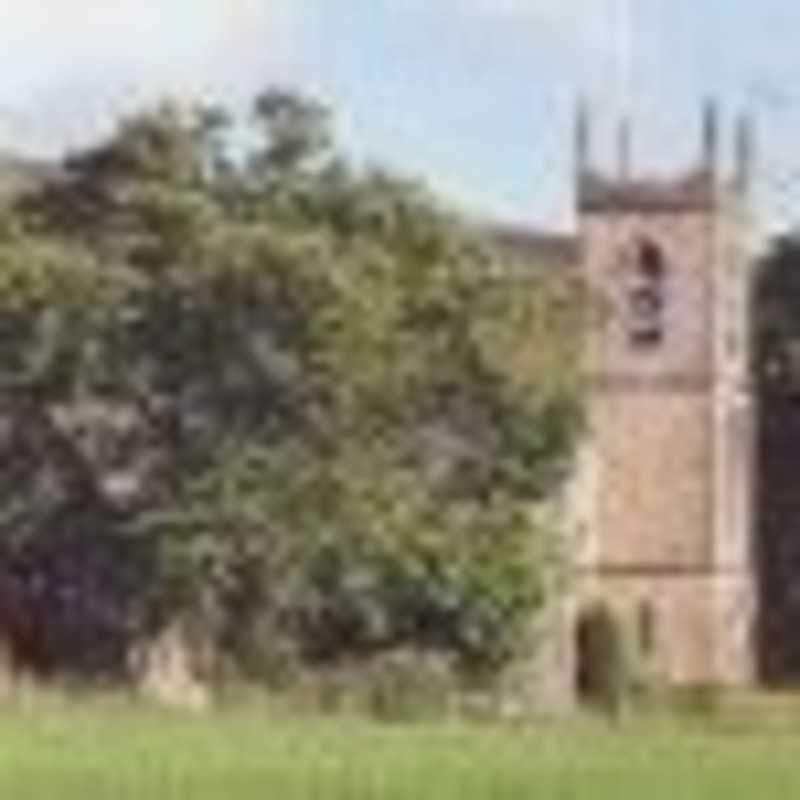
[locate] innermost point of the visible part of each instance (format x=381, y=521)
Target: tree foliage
x=277, y=391
x=776, y=330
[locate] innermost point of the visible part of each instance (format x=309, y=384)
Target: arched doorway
x=599, y=657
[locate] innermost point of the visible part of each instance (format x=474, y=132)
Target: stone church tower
x=663, y=513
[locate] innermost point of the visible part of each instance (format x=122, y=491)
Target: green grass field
x=117, y=752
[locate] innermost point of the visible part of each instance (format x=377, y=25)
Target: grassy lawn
x=115, y=752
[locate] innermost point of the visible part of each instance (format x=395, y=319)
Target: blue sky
x=475, y=95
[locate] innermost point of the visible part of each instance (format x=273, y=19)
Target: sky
x=475, y=96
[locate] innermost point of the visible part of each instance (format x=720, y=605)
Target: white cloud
x=72, y=65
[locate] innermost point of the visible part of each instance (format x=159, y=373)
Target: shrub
x=405, y=685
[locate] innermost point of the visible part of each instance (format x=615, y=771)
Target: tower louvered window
x=646, y=296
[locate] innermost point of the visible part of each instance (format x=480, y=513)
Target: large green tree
x=290, y=393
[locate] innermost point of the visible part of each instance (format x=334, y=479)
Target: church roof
x=535, y=247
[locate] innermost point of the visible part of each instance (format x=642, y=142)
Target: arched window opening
x=651, y=260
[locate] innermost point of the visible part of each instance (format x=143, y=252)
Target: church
x=661, y=510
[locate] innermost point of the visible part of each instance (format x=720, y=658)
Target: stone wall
x=699, y=625
x=653, y=487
